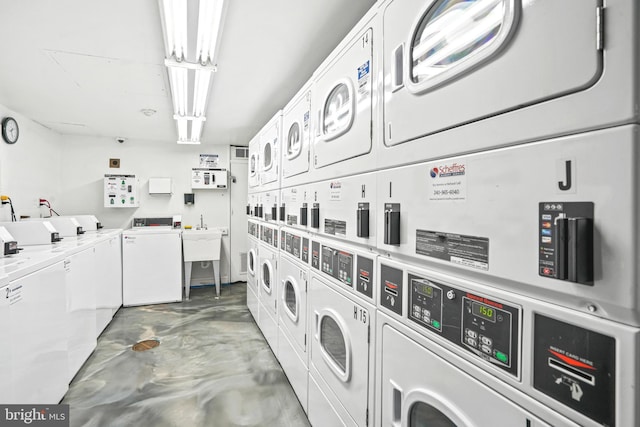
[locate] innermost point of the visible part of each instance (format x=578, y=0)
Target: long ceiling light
x=190, y=70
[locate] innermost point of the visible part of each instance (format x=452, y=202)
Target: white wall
x=85, y=161
x=29, y=169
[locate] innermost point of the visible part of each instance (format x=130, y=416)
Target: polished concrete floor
x=212, y=368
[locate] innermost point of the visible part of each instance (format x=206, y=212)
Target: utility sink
x=201, y=245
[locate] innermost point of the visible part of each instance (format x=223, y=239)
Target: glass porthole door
x=338, y=111
x=294, y=141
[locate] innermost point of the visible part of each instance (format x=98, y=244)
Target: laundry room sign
x=448, y=181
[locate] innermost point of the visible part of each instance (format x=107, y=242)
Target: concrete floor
x=212, y=368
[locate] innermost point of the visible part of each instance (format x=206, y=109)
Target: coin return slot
x=570, y=370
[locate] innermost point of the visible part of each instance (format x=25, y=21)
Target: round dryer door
x=253, y=165
x=252, y=263
x=336, y=349
x=452, y=37
x=294, y=142
x=428, y=409
x=267, y=156
x=267, y=276
x=339, y=110
x=291, y=298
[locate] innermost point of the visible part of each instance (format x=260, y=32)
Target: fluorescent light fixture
x=201, y=92
x=174, y=18
x=209, y=21
x=196, y=129
x=184, y=74
x=179, y=86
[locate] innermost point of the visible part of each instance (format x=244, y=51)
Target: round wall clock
x=10, y=131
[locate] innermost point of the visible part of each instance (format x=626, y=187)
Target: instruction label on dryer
x=14, y=294
x=448, y=181
x=335, y=227
x=469, y=251
x=364, y=78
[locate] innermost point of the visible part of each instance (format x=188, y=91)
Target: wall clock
x=10, y=131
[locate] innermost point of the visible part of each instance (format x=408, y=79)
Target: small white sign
x=14, y=294
x=208, y=160
x=448, y=181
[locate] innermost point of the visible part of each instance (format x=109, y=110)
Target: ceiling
x=88, y=67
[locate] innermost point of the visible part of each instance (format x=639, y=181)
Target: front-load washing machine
x=268, y=256
x=344, y=208
x=559, y=67
x=293, y=270
x=296, y=138
x=253, y=270
x=552, y=219
x=558, y=365
x=344, y=104
x=270, y=143
x=342, y=348
x=295, y=206
x=254, y=165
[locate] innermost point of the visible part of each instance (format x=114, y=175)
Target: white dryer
x=341, y=364
x=270, y=143
x=552, y=219
x=296, y=136
x=253, y=270
x=542, y=362
x=254, y=165
x=344, y=104
x=444, y=61
x=293, y=270
x=268, y=256
x=341, y=318
x=344, y=208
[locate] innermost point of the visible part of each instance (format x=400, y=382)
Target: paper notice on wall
x=208, y=160
x=448, y=181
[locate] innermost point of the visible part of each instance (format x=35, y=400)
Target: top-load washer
x=535, y=361
x=558, y=67
x=553, y=220
x=254, y=165
x=296, y=138
x=345, y=102
x=270, y=143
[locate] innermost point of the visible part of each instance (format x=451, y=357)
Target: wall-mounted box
x=120, y=191
x=160, y=186
x=208, y=179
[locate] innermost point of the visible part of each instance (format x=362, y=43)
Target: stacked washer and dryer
x=458, y=218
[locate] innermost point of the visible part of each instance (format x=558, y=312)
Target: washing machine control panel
x=364, y=269
x=338, y=264
x=476, y=323
x=254, y=229
x=292, y=244
x=270, y=236
x=305, y=250
x=315, y=255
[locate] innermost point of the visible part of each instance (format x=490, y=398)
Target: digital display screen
x=424, y=288
x=484, y=311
